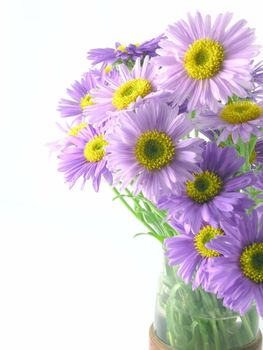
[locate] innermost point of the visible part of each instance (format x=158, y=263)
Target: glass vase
x=196, y=320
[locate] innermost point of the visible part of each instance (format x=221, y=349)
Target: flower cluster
x=176, y=125
x=123, y=53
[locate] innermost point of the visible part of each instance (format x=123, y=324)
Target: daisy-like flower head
x=214, y=194
x=146, y=48
x=69, y=131
x=256, y=157
x=206, y=62
x=109, y=55
x=106, y=71
x=241, y=250
x=124, y=53
x=145, y=149
x=189, y=251
x=85, y=157
x=241, y=118
x=125, y=92
x=80, y=97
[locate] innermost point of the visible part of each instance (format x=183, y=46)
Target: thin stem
x=152, y=215
x=216, y=336
x=247, y=325
x=126, y=204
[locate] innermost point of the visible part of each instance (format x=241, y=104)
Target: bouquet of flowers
x=175, y=126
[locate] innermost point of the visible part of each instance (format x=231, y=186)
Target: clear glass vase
x=196, y=320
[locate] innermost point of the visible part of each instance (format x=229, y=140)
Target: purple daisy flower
x=144, y=149
x=214, y=194
x=85, y=158
x=207, y=63
x=241, y=118
x=146, y=48
x=190, y=252
x=68, y=130
x=80, y=97
x=108, y=55
x=125, y=92
x=105, y=72
x=242, y=256
x=256, y=157
x=124, y=53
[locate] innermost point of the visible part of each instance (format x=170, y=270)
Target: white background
x=71, y=274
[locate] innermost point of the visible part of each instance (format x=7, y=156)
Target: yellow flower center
x=204, y=59
x=204, y=187
x=76, y=129
x=122, y=48
x=94, y=150
x=251, y=262
x=86, y=101
x=130, y=91
x=137, y=44
x=204, y=236
x=154, y=150
x=107, y=69
x=240, y=112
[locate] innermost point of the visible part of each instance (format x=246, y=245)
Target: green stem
x=247, y=326
x=204, y=336
x=131, y=210
x=154, y=216
x=216, y=336
x=246, y=150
